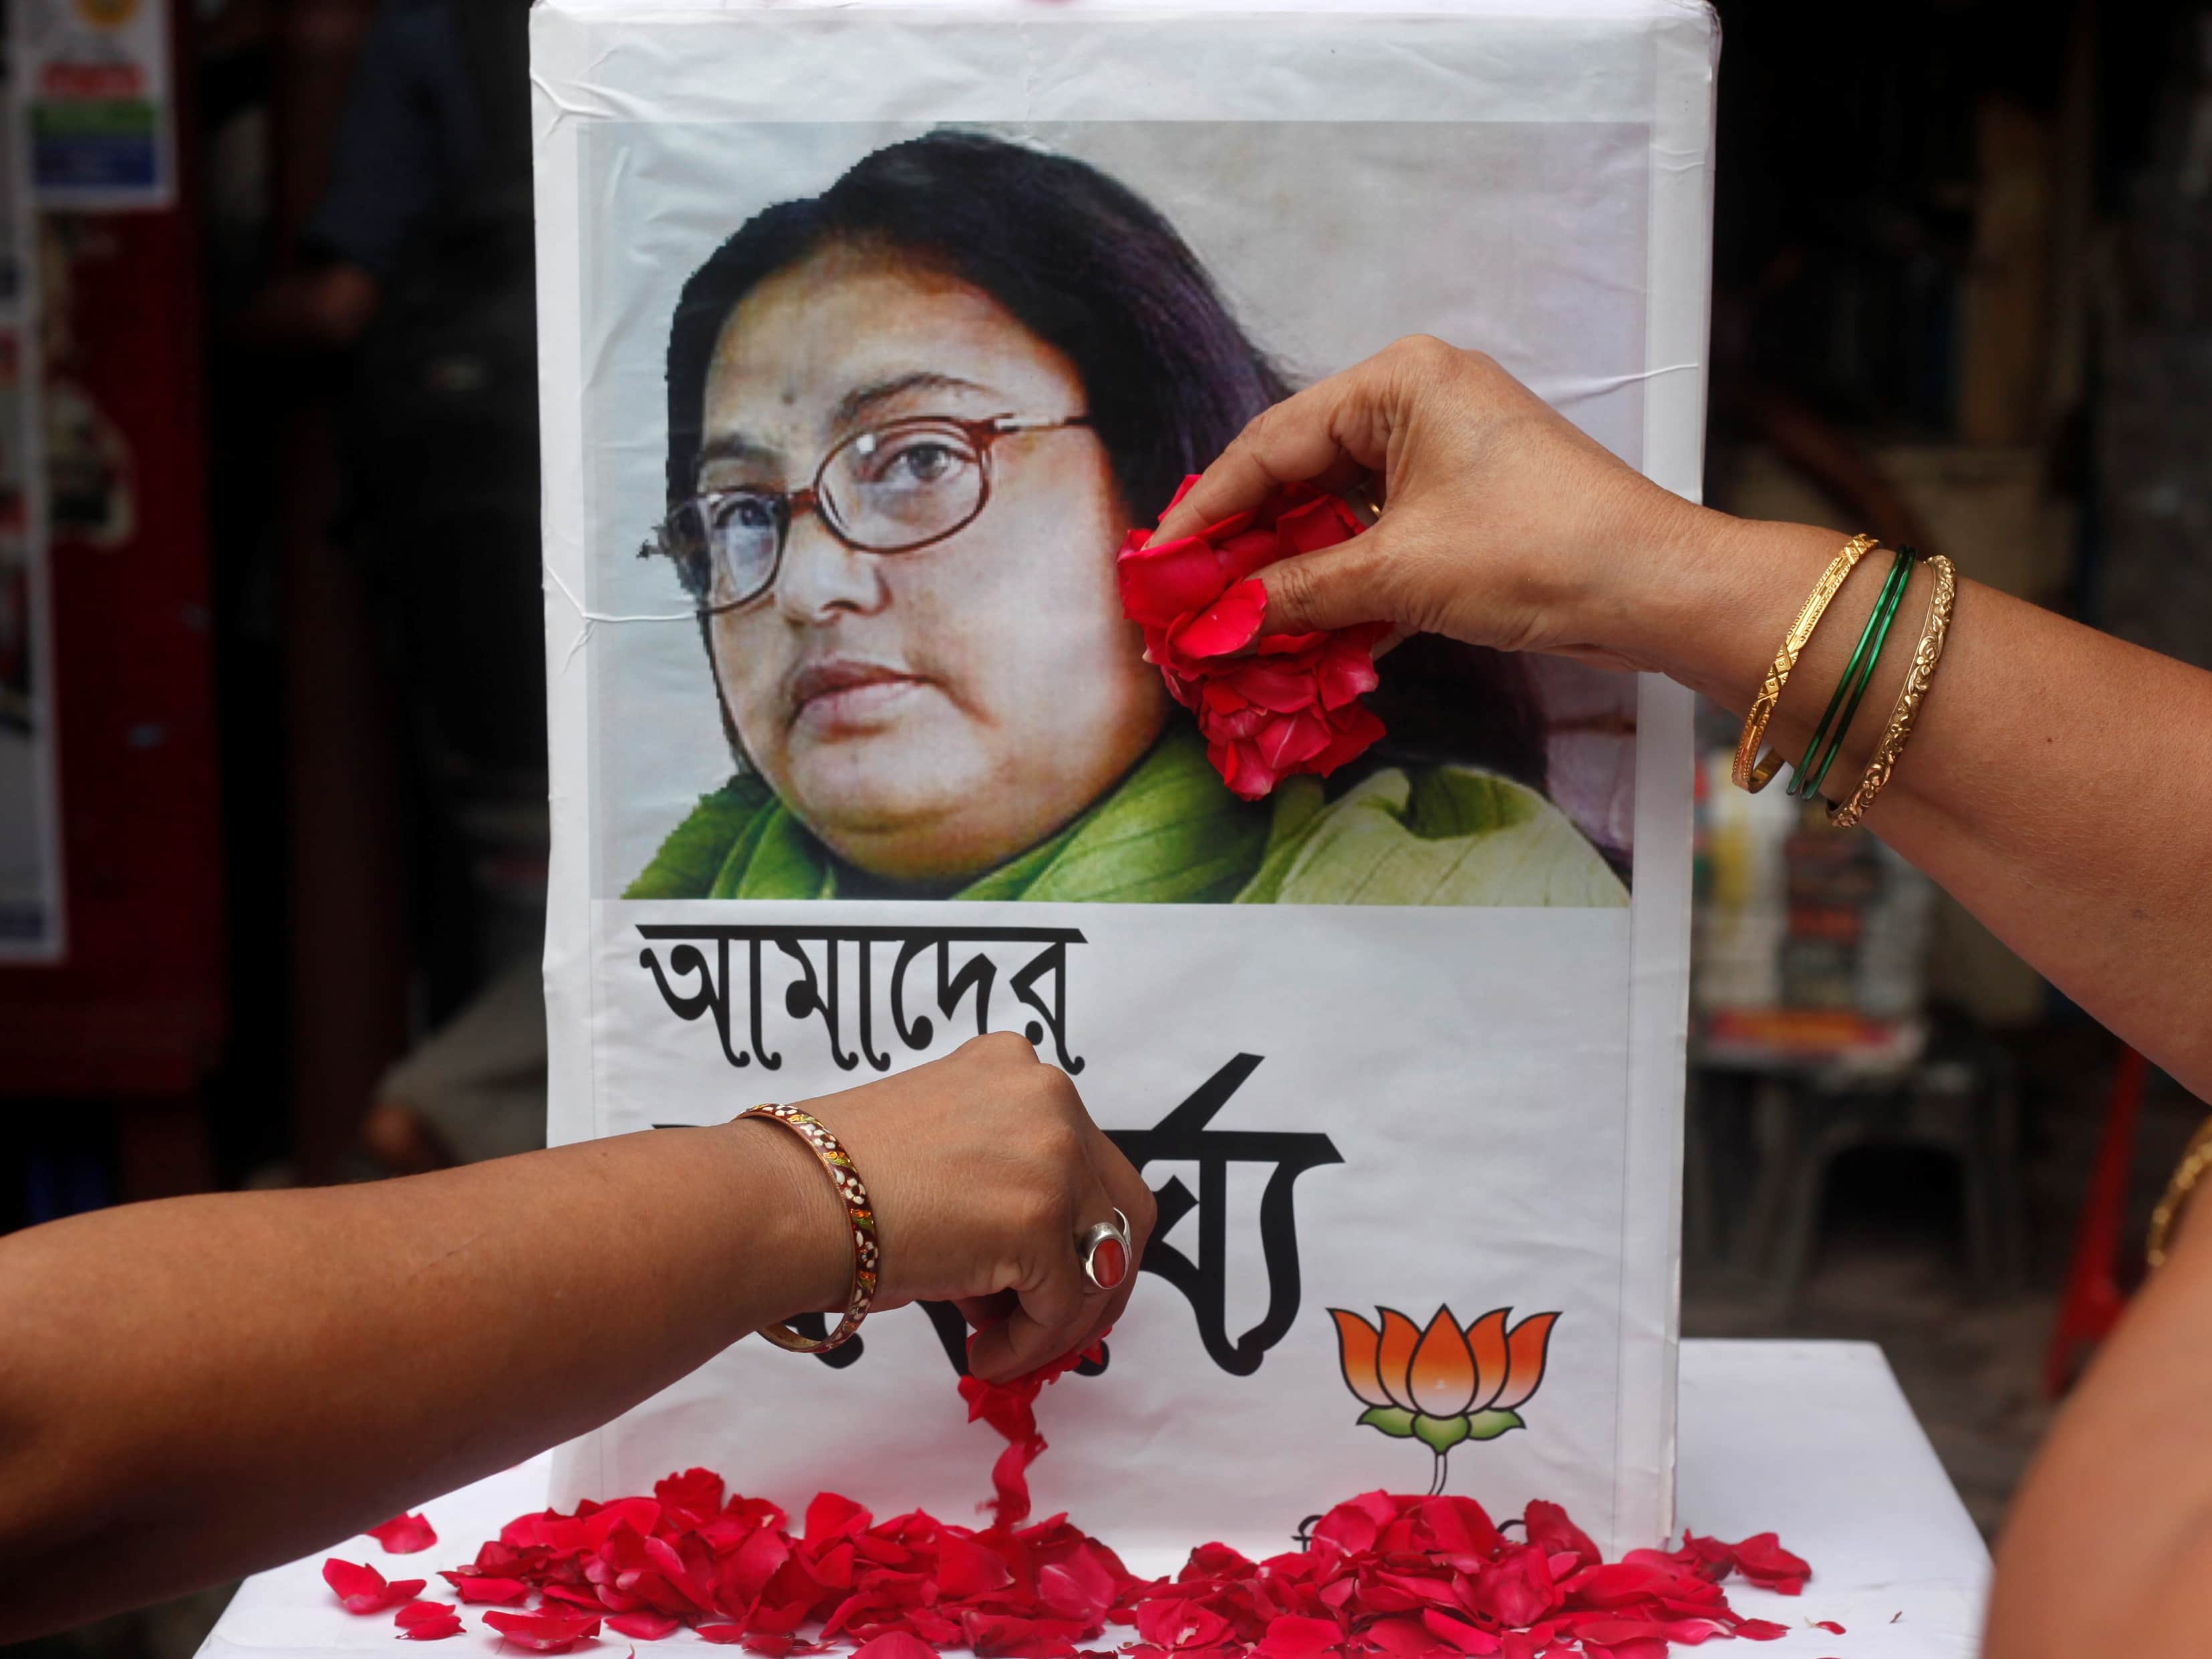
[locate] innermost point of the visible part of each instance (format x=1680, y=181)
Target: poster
x=31, y=918
x=96, y=79
x=865, y=332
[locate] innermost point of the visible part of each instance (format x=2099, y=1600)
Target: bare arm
x=2023, y=791
x=200, y=1388
x=2059, y=784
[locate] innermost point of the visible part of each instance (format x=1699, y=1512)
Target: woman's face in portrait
x=928, y=714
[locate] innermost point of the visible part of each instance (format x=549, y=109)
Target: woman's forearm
x=2108, y=1543
x=2058, y=783
x=224, y=1381
x=194, y=1390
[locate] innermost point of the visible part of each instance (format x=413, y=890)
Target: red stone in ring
x=1105, y=1249
x=1110, y=1263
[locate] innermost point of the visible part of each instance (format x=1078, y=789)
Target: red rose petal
x=404, y=1535
x=364, y=1589
x=1160, y=584
x=485, y=1588
x=542, y=1631
x=644, y=1627
x=435, y=1625
x=1762, y=1560
x=1761, y=1630
x=895, y=1644
x=1319, y=523
x=1288, y=741
x=1458, y=1633
x=1830, y=1627
x=1229, y=623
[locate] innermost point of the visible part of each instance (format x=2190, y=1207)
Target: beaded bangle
x=1851, y=688
x=1756, y=778
x=853, y=1193
x=2195, y=1163
x=1925, y=656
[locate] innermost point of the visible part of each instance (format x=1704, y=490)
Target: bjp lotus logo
x=1443, y=1385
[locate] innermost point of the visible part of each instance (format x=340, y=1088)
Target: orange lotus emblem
x=1443, y=1385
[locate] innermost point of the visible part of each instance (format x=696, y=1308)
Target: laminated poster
x=920, y=307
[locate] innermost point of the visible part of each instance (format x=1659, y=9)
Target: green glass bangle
x=1858, y=674
x=1804, y=770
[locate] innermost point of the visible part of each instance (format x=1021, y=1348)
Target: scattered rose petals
x=363, y=1588
x=1292, y=705
x=428, y=1621
x=1384, y=1576
x=404, y=1535
x=542, y=1631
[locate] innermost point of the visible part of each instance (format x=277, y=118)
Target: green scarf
x=1171, y=835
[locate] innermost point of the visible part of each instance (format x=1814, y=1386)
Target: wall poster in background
x=30, y=807
x=96, y=79
x=1398, y=1053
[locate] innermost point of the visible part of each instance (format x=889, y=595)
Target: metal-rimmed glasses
x=897, y=488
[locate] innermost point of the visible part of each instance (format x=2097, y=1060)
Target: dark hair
x=1089, y=268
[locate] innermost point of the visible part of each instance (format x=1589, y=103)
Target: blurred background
x=266, y=377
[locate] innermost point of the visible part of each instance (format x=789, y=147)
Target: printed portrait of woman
x=909, y=422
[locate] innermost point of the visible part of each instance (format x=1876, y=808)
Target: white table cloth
x=1812, y=1440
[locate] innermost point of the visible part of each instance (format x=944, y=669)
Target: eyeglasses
x=897, y=488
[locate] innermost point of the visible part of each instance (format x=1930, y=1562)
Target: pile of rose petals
x=1270, y=705
x=1380, y=1577
x=1383, y=1577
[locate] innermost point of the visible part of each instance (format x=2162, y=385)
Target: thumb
x=1332, y=587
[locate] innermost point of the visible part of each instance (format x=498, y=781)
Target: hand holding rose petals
x=1292, y=705
x=984, y=1168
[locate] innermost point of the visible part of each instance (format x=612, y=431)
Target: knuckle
x=1040, y=1212
x=1002, y=1049
x=1059, y=1143
x=1054, y=1094
x=1425, y=351
x=1290, y=585
x=1148, y=1210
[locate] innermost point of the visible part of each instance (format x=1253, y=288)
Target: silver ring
x=1114, y=1270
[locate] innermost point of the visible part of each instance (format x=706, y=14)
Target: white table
x=1812, y=1440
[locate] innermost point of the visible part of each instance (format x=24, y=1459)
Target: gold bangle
x=1756, y=778
x=2194, y=1163
x=860, y=1220
x=1909, y=696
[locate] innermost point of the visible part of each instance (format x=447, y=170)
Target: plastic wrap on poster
x=1399, y=1052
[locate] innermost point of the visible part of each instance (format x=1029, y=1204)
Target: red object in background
x=134, y=1011
x=2093, y=1299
